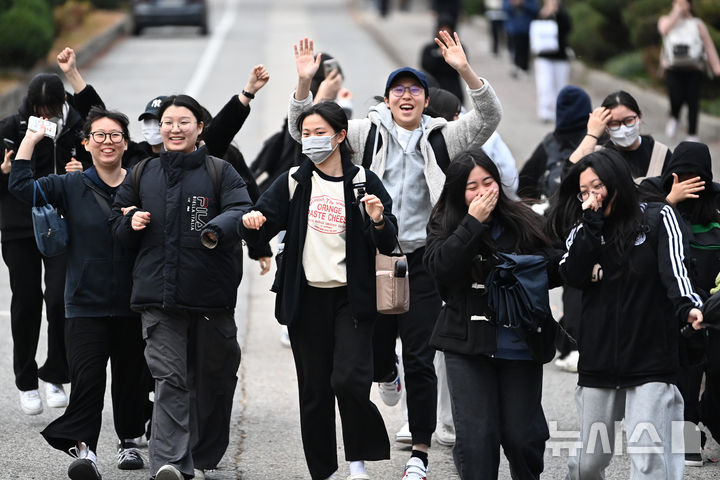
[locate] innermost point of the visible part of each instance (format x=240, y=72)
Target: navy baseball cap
x=420, y=76
x=151, y=109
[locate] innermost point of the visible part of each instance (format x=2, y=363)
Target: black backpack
x=557, y=156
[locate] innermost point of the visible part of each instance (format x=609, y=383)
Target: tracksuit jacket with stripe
x=631, y=318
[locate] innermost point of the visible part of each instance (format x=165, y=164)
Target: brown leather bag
x=392, y=283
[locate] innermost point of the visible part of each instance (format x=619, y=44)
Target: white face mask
x=318, y=149
x=151, y=131
x=625, y=136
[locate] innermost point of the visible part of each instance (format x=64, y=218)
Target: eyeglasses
x=115, y=137
x=597, y=188
x=183, y=125
x=399, y=90
x=627, y=121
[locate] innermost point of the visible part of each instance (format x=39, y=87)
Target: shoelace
x=81, y=452
x=129, y=453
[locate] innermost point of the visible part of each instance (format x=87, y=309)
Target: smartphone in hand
x=50, y=127
x=329, y=65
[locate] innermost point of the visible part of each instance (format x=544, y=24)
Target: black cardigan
x=283, y=213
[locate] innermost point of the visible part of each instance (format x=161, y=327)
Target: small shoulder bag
x=49, y=226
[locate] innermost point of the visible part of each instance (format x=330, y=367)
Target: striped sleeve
x=672, y=248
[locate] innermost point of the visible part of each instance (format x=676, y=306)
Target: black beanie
x=573, y=107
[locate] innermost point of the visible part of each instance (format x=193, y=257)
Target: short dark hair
x=181, y=101
x=621, y=97
x=334, y=115
x=96, y=113
x=45, y=90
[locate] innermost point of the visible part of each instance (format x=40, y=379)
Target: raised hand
x=329, y=88
x=66, y=60
x=305, y=61
x=259, y=77
x=451, y=49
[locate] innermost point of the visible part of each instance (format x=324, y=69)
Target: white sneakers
x=30, y=402
x=284, y=336
x=570, y=362
x=445, y=434
x=403, y=435
x=55, y=396
x=415, y=470
x=390, y=392
x=168, y=472
x=84, y=467
x=671, y=127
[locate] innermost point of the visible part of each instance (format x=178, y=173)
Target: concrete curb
x=10, y=100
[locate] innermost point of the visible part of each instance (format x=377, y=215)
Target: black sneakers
x=128, y=457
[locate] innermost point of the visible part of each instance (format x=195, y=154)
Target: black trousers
x=684, y=88
x=333, y=359
x=414, y=328
x=90, y=343
x=520, y=45
x=710, y=401
x=570, y=321
x=25, y=263
x=496, y=403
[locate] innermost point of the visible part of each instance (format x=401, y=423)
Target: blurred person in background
x=688, y=52
x=496, y=16
x=552, y=69
x=517, y=25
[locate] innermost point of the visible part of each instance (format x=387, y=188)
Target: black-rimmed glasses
x=627, y=121
x=115, y=137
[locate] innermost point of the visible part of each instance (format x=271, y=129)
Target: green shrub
x=587, y=37
x=627, y=65
x=26, y=33
x=474, y=7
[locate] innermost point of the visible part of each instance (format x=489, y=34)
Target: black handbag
x=49, y=226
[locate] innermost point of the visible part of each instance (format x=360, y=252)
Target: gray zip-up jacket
x=472, y=129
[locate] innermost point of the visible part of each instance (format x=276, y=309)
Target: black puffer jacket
x=49, y=157
x=173, y=270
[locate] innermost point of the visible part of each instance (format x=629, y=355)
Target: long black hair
x=521, y=220
x=334, y=115
x=45, y=96
x=625, y=220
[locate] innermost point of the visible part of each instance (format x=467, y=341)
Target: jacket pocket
x=92, y=287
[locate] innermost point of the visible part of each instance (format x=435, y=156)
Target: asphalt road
x=265, y=442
